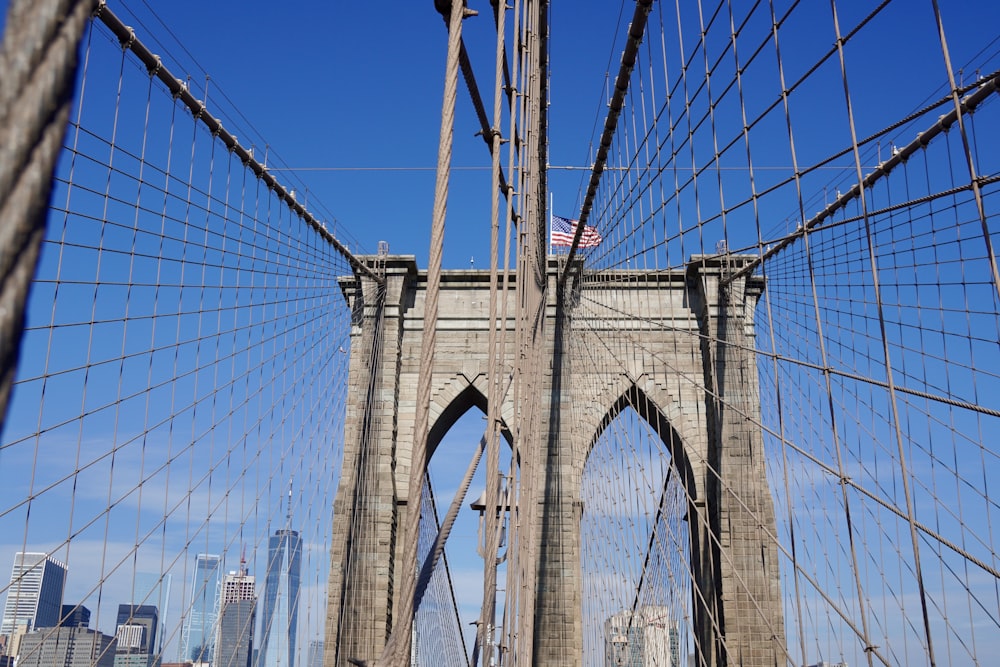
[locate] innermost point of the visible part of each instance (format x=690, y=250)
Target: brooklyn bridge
x=701, y=373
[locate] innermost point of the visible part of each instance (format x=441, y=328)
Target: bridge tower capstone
x=689, y=369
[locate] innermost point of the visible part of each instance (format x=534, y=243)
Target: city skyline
x=140, y=627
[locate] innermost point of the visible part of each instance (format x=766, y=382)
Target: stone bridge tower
x=685, y=362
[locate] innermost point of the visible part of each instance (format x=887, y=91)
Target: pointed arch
x=650, y=411
x=457, y=396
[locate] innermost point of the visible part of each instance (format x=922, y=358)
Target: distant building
x=136, y=635
x=153, y=589
x=34, y=598
x=198, y=634
x=66, y=647
x=74, y=616
x=646, y=638
x=316, y=653
x=237, y=617
x=13, y=641
x=280, y=605
x=622, y=642
x=132, y=660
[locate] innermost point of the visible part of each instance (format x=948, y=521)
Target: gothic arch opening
x=636, y=596
x=468, y=398
x=455, y=590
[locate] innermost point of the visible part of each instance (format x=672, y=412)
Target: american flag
x=563, y=230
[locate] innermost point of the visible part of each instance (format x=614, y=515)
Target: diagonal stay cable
x=636, y=31
x=965, y=106
x=180, y=90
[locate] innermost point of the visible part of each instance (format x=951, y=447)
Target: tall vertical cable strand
x=491, y=518
x=970, y=163
x=821, y=338
x=532, y=320
x=518, y=588
x=397, y=651
x=890, y=380
x=783, y=439
x=38, y=62
x=523, y=449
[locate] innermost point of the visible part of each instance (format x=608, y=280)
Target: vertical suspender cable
x=893, y=404
x=970, y=162
x=491, y=517
x=517, y=587
x=397, y=651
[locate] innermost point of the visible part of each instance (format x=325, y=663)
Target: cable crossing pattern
x=750, y=426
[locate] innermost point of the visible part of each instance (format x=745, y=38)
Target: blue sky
x=338, y=85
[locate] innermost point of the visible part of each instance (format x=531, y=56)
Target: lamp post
x=479, y=505
x=491, y=559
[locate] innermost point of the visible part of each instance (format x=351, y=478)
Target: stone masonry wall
x=672, y=343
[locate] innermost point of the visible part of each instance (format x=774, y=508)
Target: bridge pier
x=691, y=372
x=558, y=623
x=364, y=555
x=734, y=544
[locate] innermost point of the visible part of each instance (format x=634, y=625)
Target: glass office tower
x=198, y=635
x=280, y=610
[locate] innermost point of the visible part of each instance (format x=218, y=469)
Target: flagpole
x=549, y=241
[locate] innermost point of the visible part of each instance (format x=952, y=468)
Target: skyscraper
x=280, y=609
x=34, y=598
x=197, y=637
x=623, y=641
x=237, y=616
x=136, y=635
x=644, y=638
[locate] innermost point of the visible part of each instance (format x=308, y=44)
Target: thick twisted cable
x=38, y=60
x=397, y=650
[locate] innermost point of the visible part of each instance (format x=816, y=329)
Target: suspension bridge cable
x=180, y=90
